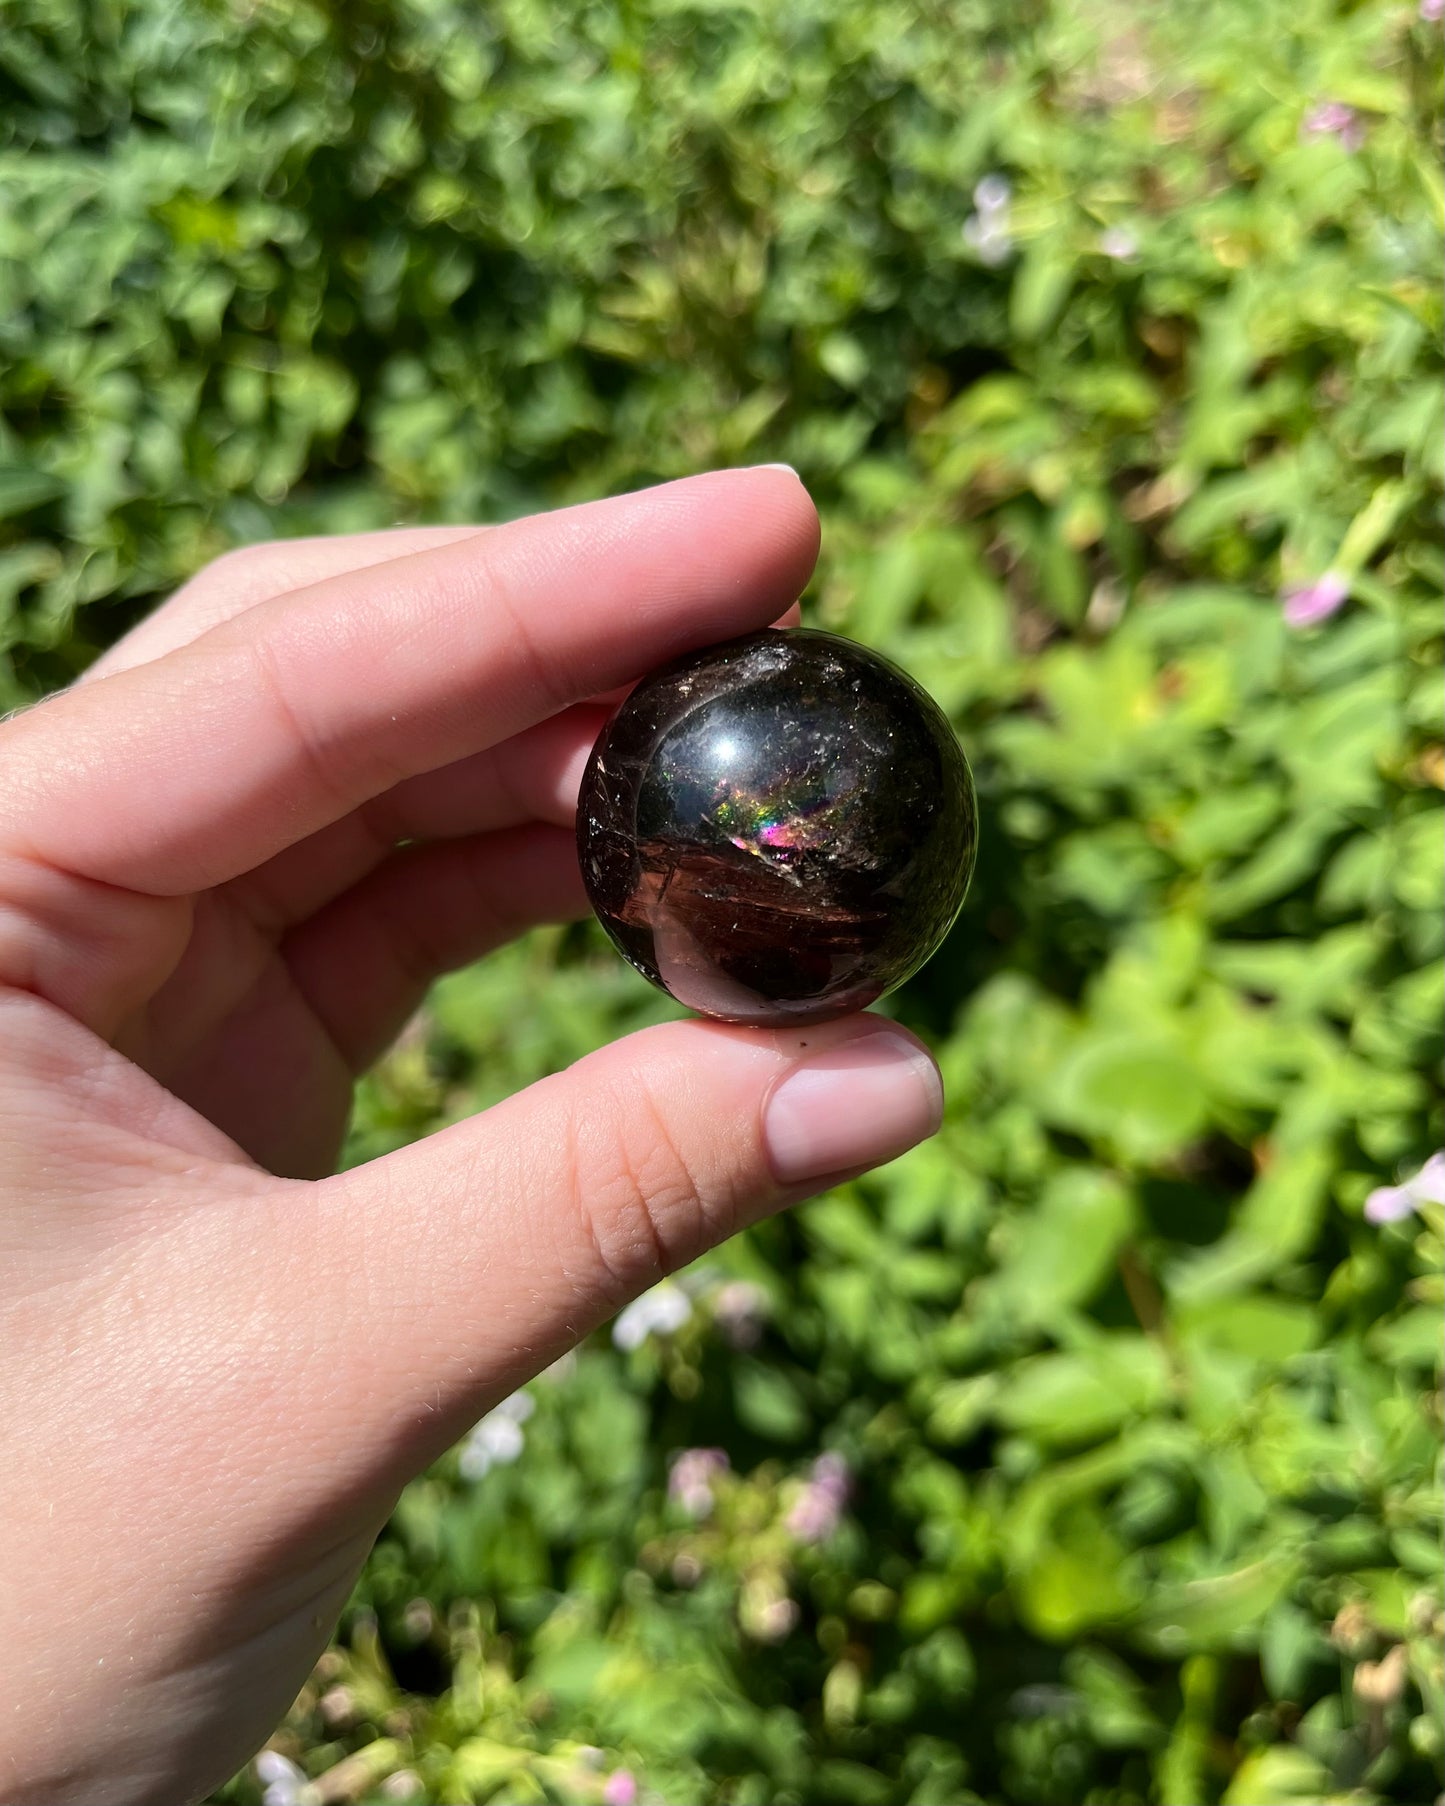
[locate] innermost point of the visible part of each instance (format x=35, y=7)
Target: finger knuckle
x=639, y=1197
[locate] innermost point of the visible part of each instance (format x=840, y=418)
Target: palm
x=258, y=1000
x=264, y=997
x=234, y=997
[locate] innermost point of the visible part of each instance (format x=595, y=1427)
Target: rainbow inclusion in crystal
x=779, y=829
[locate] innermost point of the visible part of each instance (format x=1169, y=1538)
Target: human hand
x=219, y=1364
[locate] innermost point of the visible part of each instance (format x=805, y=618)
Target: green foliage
x=1142, y=1414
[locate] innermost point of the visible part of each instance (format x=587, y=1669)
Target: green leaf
x=25, y=487
x=1061, y=1252
x=1276, y=1221
x=1219, y=1612
x=1077, y=1584
x=1290, y=1645
x=1139, y=1095
x=769, y=1402
x=1078, y=1397
x=1262, y=1328
x=1415, y=1339
x=1040, y=287
x=1279, y=1776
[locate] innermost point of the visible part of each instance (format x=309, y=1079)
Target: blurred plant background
x=1090, y=1454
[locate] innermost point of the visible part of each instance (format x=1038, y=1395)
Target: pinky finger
x=365, y=962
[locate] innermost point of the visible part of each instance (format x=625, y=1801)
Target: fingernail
x=857, y=1105
x=788, y=467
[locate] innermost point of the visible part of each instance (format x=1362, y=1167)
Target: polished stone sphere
x=777, y=830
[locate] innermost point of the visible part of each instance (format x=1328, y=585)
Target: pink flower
x=1306, y=603
x=620, y=1789
x=1334, y=119
x=740, y=1309
x=1119, y=243
x=818, y=1508
x=691, y=1480
x=1431, y=11
x=1391, y=1203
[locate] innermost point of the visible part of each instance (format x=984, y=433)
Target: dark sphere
x=777, y=830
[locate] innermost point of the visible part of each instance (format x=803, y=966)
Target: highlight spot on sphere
x=779, y=829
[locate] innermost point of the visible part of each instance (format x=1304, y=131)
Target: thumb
x=496, y=1243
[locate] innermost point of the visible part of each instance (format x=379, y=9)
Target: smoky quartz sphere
x=777, y=830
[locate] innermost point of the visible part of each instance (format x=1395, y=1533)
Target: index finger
x=184, y=772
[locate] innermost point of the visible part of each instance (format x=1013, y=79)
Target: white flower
x=992, y=244
x=1119, y=243
x=656, y=1313
x=496, y=1438
x=986, y=231
x=283, y=1784
x=773, y=1619
x=1389, y=1203
x=765, y=1611
x=993, y=194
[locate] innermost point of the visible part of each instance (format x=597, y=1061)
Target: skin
x=219, y=1363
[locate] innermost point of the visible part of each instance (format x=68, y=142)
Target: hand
x=220, y=1365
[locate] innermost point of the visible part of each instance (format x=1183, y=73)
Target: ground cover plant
x=1091, y=1453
